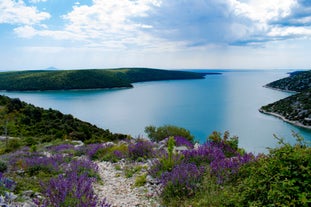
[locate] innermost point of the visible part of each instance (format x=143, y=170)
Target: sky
x=168, y=34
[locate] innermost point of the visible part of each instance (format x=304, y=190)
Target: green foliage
x=282, y=178
x=297, y=81
x=86, y=79
x=129, y=171
x=294, y=108
x=13, y=144
x=170, y=148
x=297, y=107
x=3, y=166
x=160, y=133
x=209, y=194
x=38, y=125
x=108, y=153
x=141, y=180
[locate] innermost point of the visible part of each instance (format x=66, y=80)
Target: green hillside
x=295, y=109
x=22, y=120
x=297, y=81
x=86, y=79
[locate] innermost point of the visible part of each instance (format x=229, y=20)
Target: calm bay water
x=220, y=102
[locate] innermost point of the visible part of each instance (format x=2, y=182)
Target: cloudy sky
x=239, y=34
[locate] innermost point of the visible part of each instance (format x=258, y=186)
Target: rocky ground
x=121, y=191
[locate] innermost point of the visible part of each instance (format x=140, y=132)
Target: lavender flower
x=182, y=141
x=7, y=183
x=61, y=148
x=141, y=149
x=225, y=169
x=183, y=180
x=204, y=155
x=70, y=190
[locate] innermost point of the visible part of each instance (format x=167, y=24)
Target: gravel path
x=121, y=191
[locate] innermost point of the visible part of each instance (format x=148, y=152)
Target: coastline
x=296, y=123
x=278, y=89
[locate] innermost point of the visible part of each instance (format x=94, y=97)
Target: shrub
x=226, y=169
x=13, y=144
x=182, y=141
x=182, y=181
x=203, y=155
x=282, y=178
x=6, y=183
x=141, y=180
x=229, y=145
x=3, y=166
x=160, y=133
x=141, y=149
x=70, y=190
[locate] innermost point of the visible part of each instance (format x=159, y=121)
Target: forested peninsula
x=295, y=109
x=87, y=79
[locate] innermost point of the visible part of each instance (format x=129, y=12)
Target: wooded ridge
x=87, y=79
x=295, y=109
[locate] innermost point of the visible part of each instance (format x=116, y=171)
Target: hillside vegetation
x=295, y=109
x=32, y=124
x=87, y=79
x=297, y=81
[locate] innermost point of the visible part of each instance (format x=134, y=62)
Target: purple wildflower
x=70, y=190
x=183, y=180
x=141, y=149
x=182, y=141
x=226, y=168
x=61, y=148
x=204, y=155
x=7, y=183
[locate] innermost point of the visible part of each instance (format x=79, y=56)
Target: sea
x=225, y=102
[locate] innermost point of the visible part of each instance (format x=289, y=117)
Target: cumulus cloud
x=164, y=23
x=16, y=12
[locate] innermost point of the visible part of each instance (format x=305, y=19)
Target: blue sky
x=224, y=34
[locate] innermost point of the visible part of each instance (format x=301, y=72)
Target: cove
x=217, y=103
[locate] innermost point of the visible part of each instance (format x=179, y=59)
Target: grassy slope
x=295, y=109
x=86, y=79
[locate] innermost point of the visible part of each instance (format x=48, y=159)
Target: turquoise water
x=220, y=102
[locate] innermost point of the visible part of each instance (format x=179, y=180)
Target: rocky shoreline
x=296, y=123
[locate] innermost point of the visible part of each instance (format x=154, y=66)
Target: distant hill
x=297, y=81
x=295, y=109
x=87, y=79
x=23, y=120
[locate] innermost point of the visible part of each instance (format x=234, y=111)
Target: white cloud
x=37, y=1
x=262, y=10
x=103, y=24
x=16, y=12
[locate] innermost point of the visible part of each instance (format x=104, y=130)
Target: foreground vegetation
x=295, y=109
x=61, y=172
x=87, y=79
x=217, y=173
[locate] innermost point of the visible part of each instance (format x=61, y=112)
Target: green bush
x=3, y=166
x=13, y=144
x=282, y=178
x=141, y=180
x=160, y=133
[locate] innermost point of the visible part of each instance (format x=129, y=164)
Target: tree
x=160, y=133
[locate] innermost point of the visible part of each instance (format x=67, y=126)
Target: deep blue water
x=220, y=102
